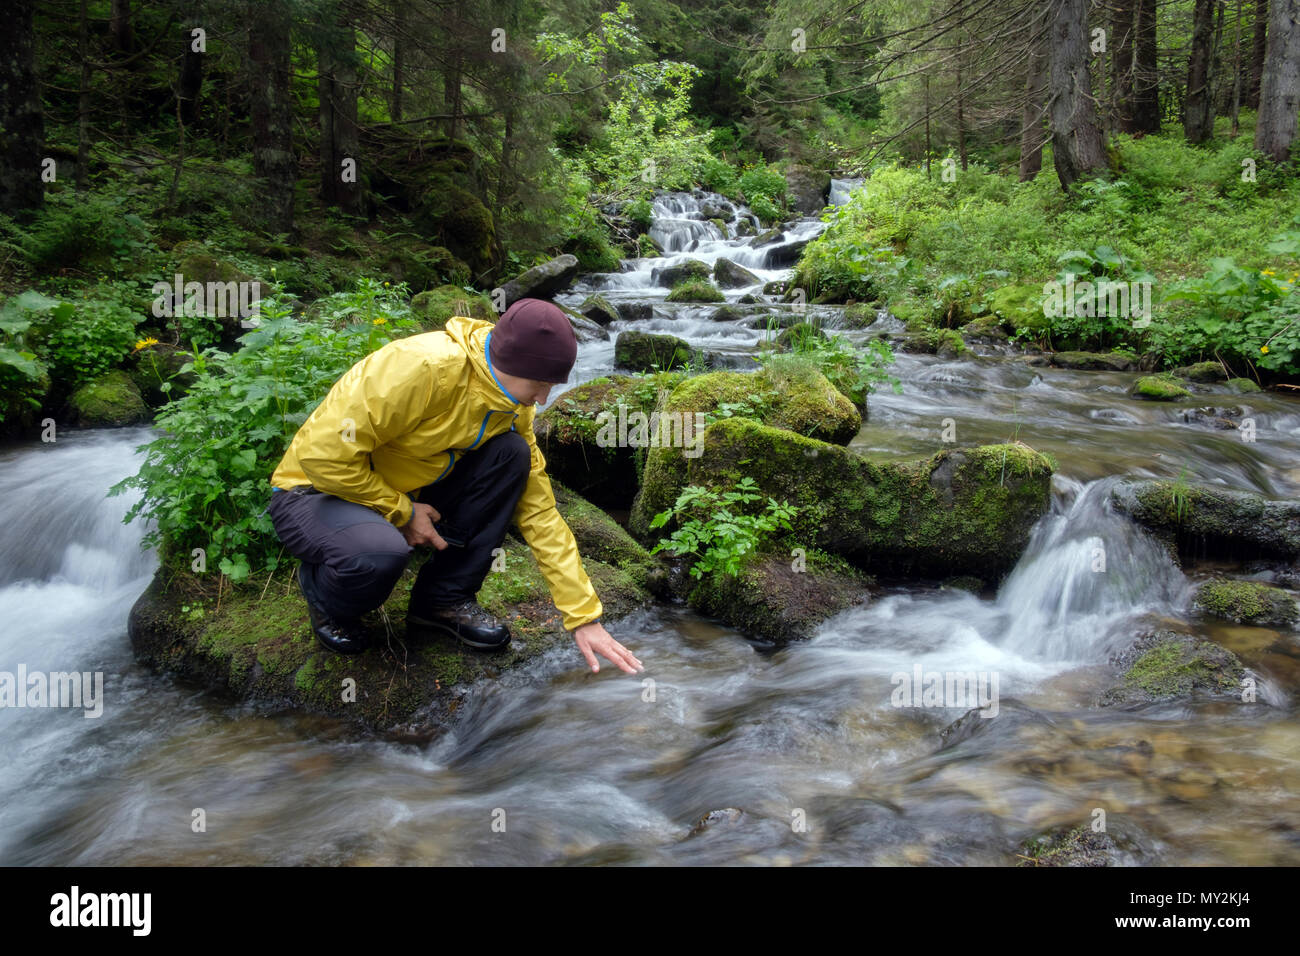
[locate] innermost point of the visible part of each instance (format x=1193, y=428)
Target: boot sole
x=421, y=624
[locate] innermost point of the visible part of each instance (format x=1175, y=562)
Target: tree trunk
x=339, y=141
x=399, y=57
x=119, y=26
x=83, y=101
x=269, y=25
x=190, y=83
x=22, y=125
x=451, y=97
x=1279, y=90
x=1146, y=79
x=1077, y=145
x=1121, y=84
x=1031, y=117
x=1258, y=50
x=1198, y=108
x=1236, y=74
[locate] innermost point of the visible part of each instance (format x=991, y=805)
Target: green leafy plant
x=713, y=529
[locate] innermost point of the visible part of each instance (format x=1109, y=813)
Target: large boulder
x=256, y=643
x=778, y=598
x=575, y=441
x=809, y=405
x=598, y=309
x=109, y=400
x=679, y=272
x=785, y=255
x=648, y=351
x=1098, y=361
x=963, y=511
x=1166, y=665
x=1246, y=602
x=541, y=281
x=695, y=290
x=728, y=275
x=584, y=328
x=808, y=189
x=1216, y=523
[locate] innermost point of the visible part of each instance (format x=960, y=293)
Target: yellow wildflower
x=1267, y=272
x=380, y=322
x=144, y=344
x=1264, y=349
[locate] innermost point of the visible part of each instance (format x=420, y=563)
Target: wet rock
x=744, y=228
x=1159, y=388
x=541, y=281
x=808, y=189
x=1241, y=385
x=727, y=313
x=1207, y=522
x=778, y=598
x=728, y=275
x=961, y=511
x=766, y=238
x=1167, y=665
x=258, y=646
x=716, y=819
x=598, y=309
x=986, y=329
x=695, y=290
x=1246, y=602
x=1107, y=361
x=650, y=351
x=111, y=399
x=1204, y=372
x=635, y=311
x=1072, y=846
x=1020, y=307
x=717, y=209
x=679, y=272
x=749, y=299
x=1214, y=416
x=784, y=256
x=585, y=329
x=798, y=334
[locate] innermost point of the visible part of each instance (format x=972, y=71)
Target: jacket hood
x=472, y=335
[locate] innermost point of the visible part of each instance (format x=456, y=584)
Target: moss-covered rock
x=1069, y=846
x=945, y=343
x=987, y=328
x=111, y=399
x=729, y=275
x=1166, y=665
x=259, y=646
x=1095, y=361
x=1246, y=602
x=808, y=188
x=224, y=293
x=961, y=511
x=541, y=281
x=1242, y=385
x=434, y=307
x=644, y=351
x=1020, y=307
x=1204, y=372
x=1217, y=523
x=569, y=434
x=780, y=598
x=860, y=315
x=422, y=266
x=452, y=215
x=695, y=290
x=808, y=404
x=679, y=272
x=1159, y=388
x=598, y=309
x=798, y=334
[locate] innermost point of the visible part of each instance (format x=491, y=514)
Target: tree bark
x=1146, y=78
x=339, y=140
x=1259, y=48
x=1077, y=145
x=269, y=25
x=190, y=82
x=119, y=26
x=83, y=101
x=1198, y=108
x=1279, y=90
x=1122, y=19
x=1035, y=101
x=22, y=125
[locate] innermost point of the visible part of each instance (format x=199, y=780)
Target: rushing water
x=587, y=770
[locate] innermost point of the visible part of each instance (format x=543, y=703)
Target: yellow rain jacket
x=409, y=411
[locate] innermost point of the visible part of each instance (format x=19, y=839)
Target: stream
x=803, y=740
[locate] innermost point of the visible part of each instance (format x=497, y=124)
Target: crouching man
x=429, y=441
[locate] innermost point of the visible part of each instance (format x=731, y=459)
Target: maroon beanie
x=534, y=340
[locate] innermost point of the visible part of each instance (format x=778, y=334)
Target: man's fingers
x=436, y=540
x=591, y=658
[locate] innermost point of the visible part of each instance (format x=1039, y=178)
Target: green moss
x=807, y=404
x=111, y=399
x=1159, y=388
x=1246, y=602
x=1173, y=667
x=1202, y=372
x=1020, y=307
x=434, y=307
x=1242, y=385
x=695, y=290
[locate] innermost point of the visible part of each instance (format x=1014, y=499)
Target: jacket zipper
x=451, y=452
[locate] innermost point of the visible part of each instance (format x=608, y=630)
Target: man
x=447, y=417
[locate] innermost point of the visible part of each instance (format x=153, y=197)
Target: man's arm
x=383, y=396
x=556, y=551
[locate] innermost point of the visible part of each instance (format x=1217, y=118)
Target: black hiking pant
x=352, y=556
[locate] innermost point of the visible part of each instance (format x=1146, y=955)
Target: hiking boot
x=338, y=634
x=467, y=622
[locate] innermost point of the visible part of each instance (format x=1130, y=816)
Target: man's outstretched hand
x=594, y=638
x=420, y=530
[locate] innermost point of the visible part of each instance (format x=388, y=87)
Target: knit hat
x=534, y=340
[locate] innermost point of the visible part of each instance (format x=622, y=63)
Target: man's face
x=528, y=391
